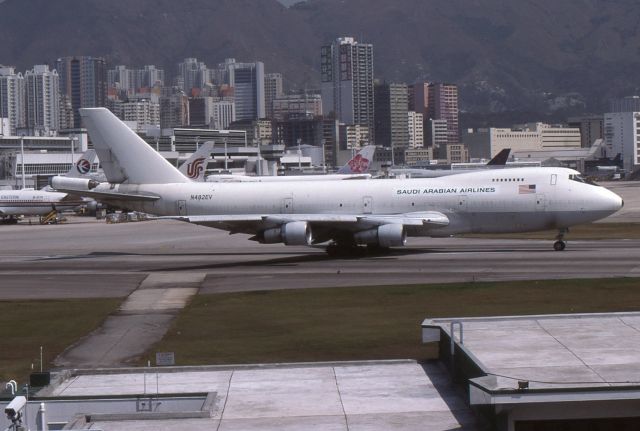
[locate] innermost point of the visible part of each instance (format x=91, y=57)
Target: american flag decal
x=526, y=188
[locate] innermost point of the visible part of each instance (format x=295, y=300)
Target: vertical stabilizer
x=124, y=156
x=195, y=166
x=82, y=167
x=501, y=158
x=360, y=163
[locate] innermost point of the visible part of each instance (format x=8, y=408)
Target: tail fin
x=501, y=158
x=360, y=163
x=195, y=166
x=124, y=156
x=83, y=166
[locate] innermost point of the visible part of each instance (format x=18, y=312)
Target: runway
x=87, y=258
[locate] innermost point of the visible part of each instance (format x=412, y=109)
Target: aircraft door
x=181, y=207
x=367, y=205
x=541, y=203
x=287, y=206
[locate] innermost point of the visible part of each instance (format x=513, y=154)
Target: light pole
x=24, y=180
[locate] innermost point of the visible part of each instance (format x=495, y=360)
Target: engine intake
x=387, y=235
x=292, y=233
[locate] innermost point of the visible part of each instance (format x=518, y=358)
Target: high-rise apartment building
x=416, y=129
x=391, y=111
x=84, y=81
x=438, y=103
x=223, y=113
x=272, y=91
x=150, y=76
x=122, y=79
x=194, y=74
x=42, y=100
x=622, y=137
x=174, y=110
x=144, y=112
x=300, y=104
x=249, y=91
x=347, y=82
x=591, y=128
x=12, y=99
x=625, y=104
x=443, y=105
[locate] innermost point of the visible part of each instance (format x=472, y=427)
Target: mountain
x=541, y=56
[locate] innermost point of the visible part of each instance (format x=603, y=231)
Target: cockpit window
x=579, y=178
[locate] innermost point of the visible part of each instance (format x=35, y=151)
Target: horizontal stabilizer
x=113, y=196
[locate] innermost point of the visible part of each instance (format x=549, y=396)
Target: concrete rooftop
x=555, y=351
x=386, y=395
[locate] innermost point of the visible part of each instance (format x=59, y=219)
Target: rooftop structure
x=577, y=369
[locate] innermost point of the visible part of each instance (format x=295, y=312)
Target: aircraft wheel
x=559, y=245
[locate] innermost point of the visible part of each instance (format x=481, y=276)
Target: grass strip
x=379, y=322
x=53, y=324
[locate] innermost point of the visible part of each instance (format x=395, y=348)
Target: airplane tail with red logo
x=195, y=166
x=360, y=163
x=83, y=166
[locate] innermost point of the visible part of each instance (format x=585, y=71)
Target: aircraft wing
x=107, y=196
x=255, y=223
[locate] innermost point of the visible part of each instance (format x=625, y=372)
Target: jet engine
x=292, y=233
x=387, y=235
x=80, y=184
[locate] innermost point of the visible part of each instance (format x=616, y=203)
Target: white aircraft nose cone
x=613, y=201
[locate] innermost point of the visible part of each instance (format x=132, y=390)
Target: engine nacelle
x=292, y=233
x=387, y=235
x=80, y=184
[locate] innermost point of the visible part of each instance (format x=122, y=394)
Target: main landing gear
x=560, y=245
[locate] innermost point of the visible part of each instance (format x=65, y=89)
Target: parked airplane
x=355, y=169
x=378, y=213
x=29, y=202
x=498, y=162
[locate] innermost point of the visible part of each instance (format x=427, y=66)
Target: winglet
x=195, y=166
x=501, y=158
x=360, y=163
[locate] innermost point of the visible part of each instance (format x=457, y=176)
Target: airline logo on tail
x=83, y=166
x=359, y=164
x=194, y=169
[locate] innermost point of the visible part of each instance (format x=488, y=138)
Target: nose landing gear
x=560, y=245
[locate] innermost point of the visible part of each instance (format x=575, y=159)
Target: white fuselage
x=491, y=201
x=33, y=202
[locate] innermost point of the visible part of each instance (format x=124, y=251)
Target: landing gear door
x=181, y=207
x=541, y=203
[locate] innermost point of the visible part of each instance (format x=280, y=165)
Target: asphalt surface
x=88, y=258
x=156, y=266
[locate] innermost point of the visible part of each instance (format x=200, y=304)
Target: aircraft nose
x=614, y=202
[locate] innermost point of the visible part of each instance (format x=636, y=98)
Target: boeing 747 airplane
x=377, y=213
